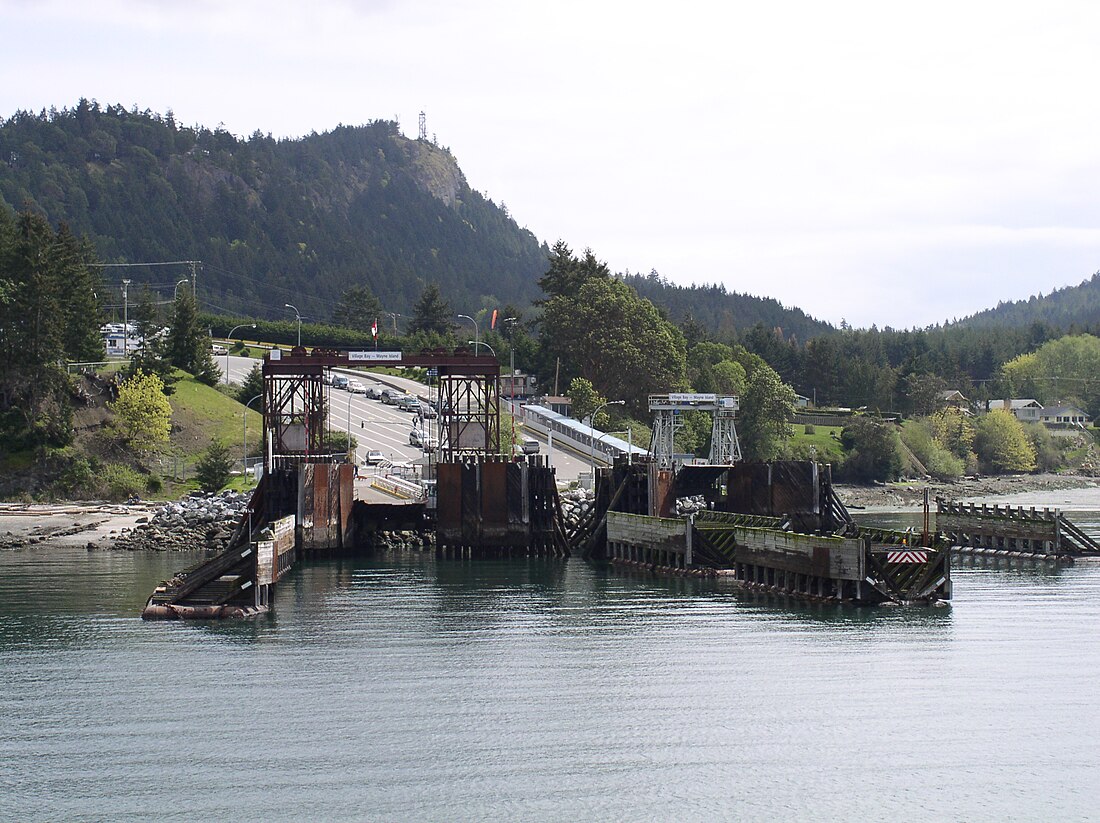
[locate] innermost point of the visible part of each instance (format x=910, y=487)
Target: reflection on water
x=416, y=689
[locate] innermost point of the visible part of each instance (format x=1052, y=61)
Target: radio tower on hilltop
x=423, y=126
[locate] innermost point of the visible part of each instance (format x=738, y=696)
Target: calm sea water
x=412, y=689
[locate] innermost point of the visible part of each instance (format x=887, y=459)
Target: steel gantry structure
x=725, y=450
x=296, y=414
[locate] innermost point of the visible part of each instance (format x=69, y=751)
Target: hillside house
x=1063, y=416
x=1026, y=410
x=953, y=398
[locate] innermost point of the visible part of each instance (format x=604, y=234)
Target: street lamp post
x=227, y=338
x=394, y=315
x=244, y=420
x=476, y=343
x=349, y=425
x=592, y=426
x=299, y=316
x=477, y=331
x=176, y=290
x=125, y=319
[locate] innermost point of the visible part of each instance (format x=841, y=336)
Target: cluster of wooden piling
x=1009, y=531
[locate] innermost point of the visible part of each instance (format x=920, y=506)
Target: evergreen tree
x=188, y=345
x=213, y=469
x=252, y=386
x=616, y=340
x=432, y=314
x=48, y=315
x=567, y=273
x=358, y=309
x=152, y=357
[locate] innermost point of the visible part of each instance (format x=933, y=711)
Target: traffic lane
x=373, y=424
x=239, y=367
x=567, y=464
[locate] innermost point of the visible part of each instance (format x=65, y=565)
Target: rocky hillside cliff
x=273, y=221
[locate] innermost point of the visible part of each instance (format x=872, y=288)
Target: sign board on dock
x=265, y=562
x=692, y=398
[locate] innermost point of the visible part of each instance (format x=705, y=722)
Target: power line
x=130, y=265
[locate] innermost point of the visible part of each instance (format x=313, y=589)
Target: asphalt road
x=378, y=426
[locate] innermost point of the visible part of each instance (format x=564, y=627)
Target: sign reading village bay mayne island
x=374, y=355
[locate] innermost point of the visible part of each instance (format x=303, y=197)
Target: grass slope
x=201, y=414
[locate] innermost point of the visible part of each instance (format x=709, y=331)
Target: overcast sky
x=887, y=163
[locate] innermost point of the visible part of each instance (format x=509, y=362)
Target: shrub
x=810, y=429
x=145, y=412
x=121, y=482
x=1001, y=444
x=80, y=477
x=873, y=450
x=1048, y=456
x=336, y=442
x=212, y=470
x=936, y=459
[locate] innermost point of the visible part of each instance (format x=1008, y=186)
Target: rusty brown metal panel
x=321, y=524
x=347, y=499
x=494, y=494
x=665, y=502
x=449, y=501
x=305, y=501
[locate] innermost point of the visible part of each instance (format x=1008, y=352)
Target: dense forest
x=299, y=221
x=723, y=312
x=1072, y=306
x=272, y=221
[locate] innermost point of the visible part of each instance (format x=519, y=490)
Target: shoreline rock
x=911, y=495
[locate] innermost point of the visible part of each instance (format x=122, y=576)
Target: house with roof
x=1026, y=410
x=954, y=399
x=1064, y=417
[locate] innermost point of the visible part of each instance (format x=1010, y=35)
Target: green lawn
x=826, y=439
x=201, y=413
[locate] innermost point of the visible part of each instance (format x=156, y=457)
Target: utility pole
x=194, y=279
x=511, y=321
x=125, y=319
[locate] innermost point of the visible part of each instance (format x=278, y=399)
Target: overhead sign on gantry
x=666, y=408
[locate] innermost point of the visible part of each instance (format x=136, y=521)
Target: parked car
x=374, y=391
x=409, y=403
x=355, y=387
x=374, y=457
x=339, y=382
x=418, y=437
x=391, y=396
x=427, y=411
x=529, y=445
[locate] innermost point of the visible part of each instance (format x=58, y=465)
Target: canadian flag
x=374, y=329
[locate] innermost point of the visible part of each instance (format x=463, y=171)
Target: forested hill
x=1071, y=307
x=271, y=220
x=722, y=312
